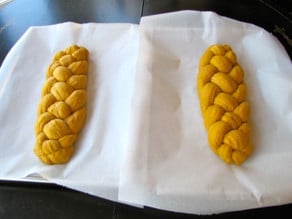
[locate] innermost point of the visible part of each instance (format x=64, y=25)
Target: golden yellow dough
x=62, y=108
x=222, y=94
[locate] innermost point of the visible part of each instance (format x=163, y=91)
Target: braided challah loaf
x=222, y=94
x=61, y=110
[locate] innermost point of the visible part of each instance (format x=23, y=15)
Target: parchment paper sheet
x=168, y=163
x=95, y=166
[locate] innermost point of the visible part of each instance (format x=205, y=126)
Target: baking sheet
x=144, y=142
x=168, y=163
x=95, y=166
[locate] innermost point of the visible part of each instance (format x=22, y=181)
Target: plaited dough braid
x=62, y=110
x=222, y=94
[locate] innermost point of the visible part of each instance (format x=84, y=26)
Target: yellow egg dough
x=222, y=94
x=61, y=111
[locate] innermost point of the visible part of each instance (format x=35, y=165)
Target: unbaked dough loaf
x=222, y=94
x=62, y=109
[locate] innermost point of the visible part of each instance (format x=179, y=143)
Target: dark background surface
x=34, y=200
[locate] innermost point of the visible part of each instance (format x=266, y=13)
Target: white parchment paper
x=168, y=163
x=95, y=166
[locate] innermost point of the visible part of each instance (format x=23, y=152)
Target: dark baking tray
x=42, y=200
